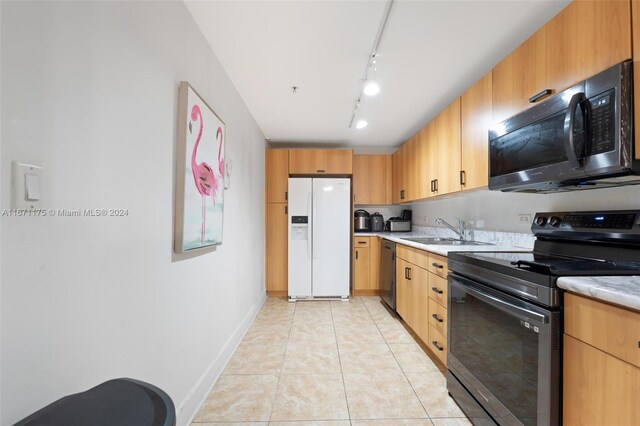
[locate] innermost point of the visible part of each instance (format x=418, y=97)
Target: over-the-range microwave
x=580, y=138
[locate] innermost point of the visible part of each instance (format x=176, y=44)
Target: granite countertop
x=441, y=249
x=623, y=291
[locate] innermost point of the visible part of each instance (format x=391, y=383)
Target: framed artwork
x=200, y=172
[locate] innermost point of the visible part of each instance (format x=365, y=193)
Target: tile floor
x=329, y=363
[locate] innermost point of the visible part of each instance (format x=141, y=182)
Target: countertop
x=441, y=249
x=623, y=291
x=620, y=290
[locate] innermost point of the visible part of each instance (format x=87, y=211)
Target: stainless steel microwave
x=580, y=138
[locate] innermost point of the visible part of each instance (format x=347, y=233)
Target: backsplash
x=498, y=238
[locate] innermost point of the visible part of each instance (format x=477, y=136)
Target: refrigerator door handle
x=309, y=226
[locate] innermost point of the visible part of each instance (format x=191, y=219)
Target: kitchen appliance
x=397, y=224
x=377, y=222
x=504, y=330
x=319, y=238
x=361, y=221
x=581, y=138
x=388, y=273
x=406, y=215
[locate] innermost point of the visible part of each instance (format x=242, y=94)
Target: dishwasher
x=388, y=273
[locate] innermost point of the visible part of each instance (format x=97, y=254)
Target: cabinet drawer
x=438, y=317
x=359, y=242
x=412, y=255
x=438, y=289
x=438, y=344
x=612, y=329
x=438, y=265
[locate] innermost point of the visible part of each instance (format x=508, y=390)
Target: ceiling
x=430, y=53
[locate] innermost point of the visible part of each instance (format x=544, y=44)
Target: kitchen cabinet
x=277, y=181
x=412, y=288
x=372, y=178
x=366, y=266
x=475, y=118
x=437, y=292
x=447, y=179
x=276, y=248
x=635, y=26
x=277, y=175
x=400, y=175
x=320, y=161
x=583, y=39
x=601, y=364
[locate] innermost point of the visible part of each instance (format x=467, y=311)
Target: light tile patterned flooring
x=329, y=363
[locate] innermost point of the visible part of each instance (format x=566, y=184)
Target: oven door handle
x=517, y=311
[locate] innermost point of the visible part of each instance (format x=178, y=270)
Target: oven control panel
x=619, y=223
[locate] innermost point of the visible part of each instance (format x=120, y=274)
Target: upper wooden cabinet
x=320, y=161
x=400, y=174
x=277, y=175
x=583, y=39
x=476, y=120
x=445, y=148
x=372, y=179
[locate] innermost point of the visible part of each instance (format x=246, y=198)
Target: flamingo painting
x=200, y=225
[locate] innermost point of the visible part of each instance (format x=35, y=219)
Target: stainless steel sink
x=446, y=241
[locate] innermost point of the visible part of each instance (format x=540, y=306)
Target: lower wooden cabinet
x=276, y=249
x=366, y=266
x=421, y=296
x=601, y=365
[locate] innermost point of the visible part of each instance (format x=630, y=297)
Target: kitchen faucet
x=461, y=227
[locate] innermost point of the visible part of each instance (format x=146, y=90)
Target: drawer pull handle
x=437, y=290
x=463, y=177
x=437, y=318
x=362, y=242
x=437, y=265
x=320, y=171
x=540, y=95
x=409, y=274
x=438, y=347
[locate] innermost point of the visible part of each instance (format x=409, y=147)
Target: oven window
x=499, y=350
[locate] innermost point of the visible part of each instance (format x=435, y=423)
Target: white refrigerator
x=319, y=242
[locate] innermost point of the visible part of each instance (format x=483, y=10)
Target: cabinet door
x=448, y=141
x=361, y=279
x=431, y=153
x=277, y=171
x=420, y=302
x=306, y=161
x=396, y=183
x=276, y=247
x=598, y=389
x=375, y=249
x=515, y=79
x=476, y=121
x=411, y=168
x=422, y=169
x=338, y=161
x=583, y=39
x=372, y=179
x=402, y=289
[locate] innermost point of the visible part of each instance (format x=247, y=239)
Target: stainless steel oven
x=505, y=313
x=506, y=351
x=578, y=139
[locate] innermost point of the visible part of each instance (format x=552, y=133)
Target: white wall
x=499, y=211
x=89, y=91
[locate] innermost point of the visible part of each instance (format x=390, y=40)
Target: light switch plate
x=26, y=186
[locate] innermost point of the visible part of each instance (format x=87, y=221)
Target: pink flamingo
x=203, y=176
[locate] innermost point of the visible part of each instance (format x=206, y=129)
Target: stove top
x=555, y=265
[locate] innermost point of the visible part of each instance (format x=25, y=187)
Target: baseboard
x=190, y=405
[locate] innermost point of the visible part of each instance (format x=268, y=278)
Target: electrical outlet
x=525, y=219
